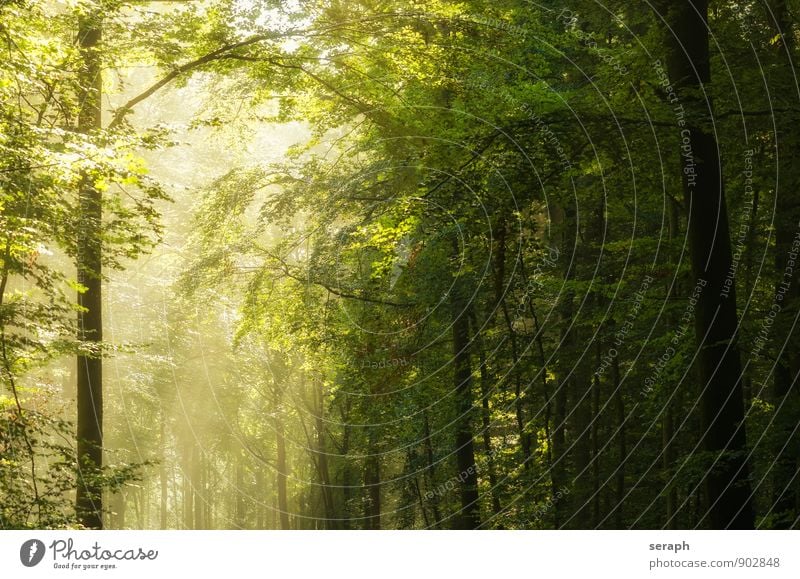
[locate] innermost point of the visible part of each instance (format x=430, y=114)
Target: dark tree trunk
x=722, y=410
x=786, y=392
x=622, y=449
x=668, y=458
x=595, y=434
x=565, y=220
x=581, y=425
x=499, y=290
x=88, y=502
x=469, y=515
x=430, y=472
x=486, y=419
x=668, y=423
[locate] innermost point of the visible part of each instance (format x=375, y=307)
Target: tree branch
x=222, y=52
x=284, y=267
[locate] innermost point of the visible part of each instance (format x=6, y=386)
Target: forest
x=399, y=264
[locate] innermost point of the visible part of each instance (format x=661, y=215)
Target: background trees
x=428, y=265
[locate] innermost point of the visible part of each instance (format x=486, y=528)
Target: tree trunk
x=119, y=510
x=500, y=300
x=163, y=475
x=565, y=219
x=240, y=517
x=188, y=494
x=347, y=469
x=322, y=458
x=486, y=419
x=259, y=493
x=88, y=501
x=372, y=483
x=430, y=472
x=283, y=473
x=595, y=435
x=668, y=424
x=785, y=479
x=469, y=515
x=668, y=458
x=722, y=410
x=622, y=451
x=198, y=488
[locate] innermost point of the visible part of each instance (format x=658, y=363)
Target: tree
x=716, y=324
x=89, y=499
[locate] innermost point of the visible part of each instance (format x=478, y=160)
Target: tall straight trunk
x=322, y=458
x=280, y=375
x=668, y=422
x=209, y=478
x=469, y=515
x=118, y=516
x=785, y=478
x=486, y=418
x=163, y=474
x=188, y=494
x=282, y=472
x=239, y=517
x=548, y=403
x=622, y=449
x=422, y=509
x=137, y=507
x=558, y=470
x=347, y=469
x=668, y=458
x=500, y=300
x=597, y=232
x=198, y=488
x=566, y=220
x=595, y=436
x=372, y=484
x=89, y=500
x=261, y=522
x=727, y=483
x=430, y=471
x=581, y=425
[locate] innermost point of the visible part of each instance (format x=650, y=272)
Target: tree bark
x=372, y=483
x=322, y=458
x=283, y=473
x=785, y=479
x=198, y=488
x=430, y=472
x=722, y=410
x=622, y=450
x=469, y=515
x=163, y=474
x=486, y=419
x=565, y=219
x=89, y=500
